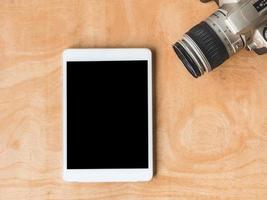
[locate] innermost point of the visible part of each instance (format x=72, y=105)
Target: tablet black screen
x=107, y=115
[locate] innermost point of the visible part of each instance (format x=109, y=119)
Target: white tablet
x=107, y=100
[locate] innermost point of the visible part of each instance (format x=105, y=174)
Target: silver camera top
x=249, y=19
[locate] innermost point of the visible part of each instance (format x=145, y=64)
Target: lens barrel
x=201, y=50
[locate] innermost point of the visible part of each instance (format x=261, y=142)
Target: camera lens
x=187, y=60
x=208, y=44
x=201, y=50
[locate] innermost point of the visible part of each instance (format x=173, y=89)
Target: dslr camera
x=236, y=25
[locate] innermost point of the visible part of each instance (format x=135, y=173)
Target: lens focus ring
x=209, y=43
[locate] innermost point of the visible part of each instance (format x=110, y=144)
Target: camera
x=236, y=25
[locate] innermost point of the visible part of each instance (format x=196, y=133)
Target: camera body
x=236, y=25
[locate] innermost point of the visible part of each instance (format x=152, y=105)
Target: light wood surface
x=211, y=133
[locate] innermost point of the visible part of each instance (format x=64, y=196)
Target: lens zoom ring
x=210, y=44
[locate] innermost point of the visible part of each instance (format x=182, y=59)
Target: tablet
x=107, y=115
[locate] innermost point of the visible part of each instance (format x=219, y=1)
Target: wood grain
x=211, y=133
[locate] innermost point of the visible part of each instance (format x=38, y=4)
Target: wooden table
x=211, y=133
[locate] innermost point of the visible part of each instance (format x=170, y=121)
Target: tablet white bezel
x=108, y=175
